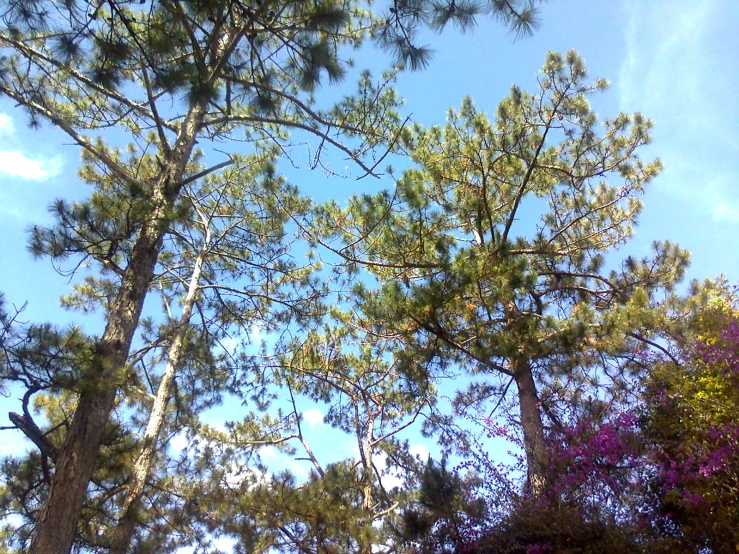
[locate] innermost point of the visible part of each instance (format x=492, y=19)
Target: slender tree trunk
x=533, y=428
x=365, y=450
x=123, y=533
x=57, y=520
x=365, y=446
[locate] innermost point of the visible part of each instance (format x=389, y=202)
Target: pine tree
x=166, y=74
x=224, y=258
x=491, y=253
x=218, y=55
x=444, y=517
x=231, y=262
x=346, y=506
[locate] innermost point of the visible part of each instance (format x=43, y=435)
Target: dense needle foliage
x=492, y=261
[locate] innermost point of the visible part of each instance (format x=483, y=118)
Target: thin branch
x=444, y=336
x=297, y=125
x=301, y=438
x=207, y=172
x=34, y=434
x=657, y=346
x=32, y=54
x=81, y=140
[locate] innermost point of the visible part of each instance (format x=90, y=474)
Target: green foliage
x=165, y=74
x=491, y=252
x=691, y=406
x=236, y=221
x=456, y=282
x=406, y=18
x=324, y=514
x=443, y=518
x=563, y=529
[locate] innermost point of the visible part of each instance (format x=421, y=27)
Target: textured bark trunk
x=365, y=446
x=533, y=428
x=57, y=520
x=367, y=469
x=123, y=533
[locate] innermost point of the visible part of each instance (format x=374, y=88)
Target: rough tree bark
x=57, y=520
x=123, y=532
x=533, y=427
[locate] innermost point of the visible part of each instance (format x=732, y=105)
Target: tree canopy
x=464, y=284
x=482, y=294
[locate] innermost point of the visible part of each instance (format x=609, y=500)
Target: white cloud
x=664, y=67
x=179, y=442
x=237, y=473
x=313, y=417
x=391, y=478
x=215, y=421
x=13, y=521
x=277, y=460
x=268, y=452
x=301, y=469
x=224, y=544
x=14, y=443
x=16, y=164
x=6, y=124
x=258, y=475
x=420, y=451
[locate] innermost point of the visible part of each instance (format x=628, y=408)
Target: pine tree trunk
x=533, y=428
x=123, y=533
x=57, y=520
x=365, y=449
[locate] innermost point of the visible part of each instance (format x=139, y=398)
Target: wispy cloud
x=6, y=124
x=664, y=64
x=678, y=71
x=726, y=212
x=313, y=417
x=718, y=194
x=15, y=163
x=268, y=452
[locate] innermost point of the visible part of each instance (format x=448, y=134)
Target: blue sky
x=675, y=61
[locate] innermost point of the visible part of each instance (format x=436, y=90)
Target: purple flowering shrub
x=583, y=511
x=594, y=462
x=693, y=419
x=663, y=478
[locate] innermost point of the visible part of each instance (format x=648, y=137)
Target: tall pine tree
x=166, y=74
x=491, y=253
x=225, y=260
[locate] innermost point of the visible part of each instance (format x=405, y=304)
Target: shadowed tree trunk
x=123, y=532
x=533, y=427
x=57, y=520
